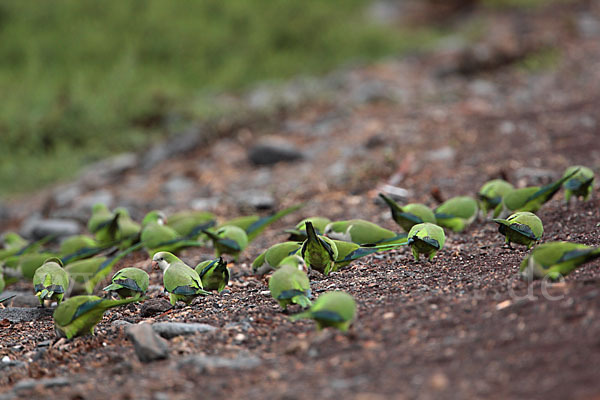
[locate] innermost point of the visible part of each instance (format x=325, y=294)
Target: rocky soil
x=424, y=128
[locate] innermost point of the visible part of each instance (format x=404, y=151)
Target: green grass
x=83, y=79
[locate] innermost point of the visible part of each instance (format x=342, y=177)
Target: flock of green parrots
x=316, y=243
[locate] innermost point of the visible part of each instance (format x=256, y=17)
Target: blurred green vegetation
x=83, y=79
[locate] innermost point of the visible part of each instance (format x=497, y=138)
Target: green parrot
x=409, y=215
x=294, y=261
x=272, y=257
x=76, y=243
x=156, y=236
x=50, y=281
x=456, y=213
x=79, y=315
x=556, y=259
x=336, y=309
x=254, y=225
x=490, y=194
x=361, y=232
x=580, y=184
x=348, y=252
x=319, y=252
x=228, y=239
x=12, y=243
x=298, y=234
x=191, y=223
x=86, y=274
x=427, y=239
x=214, y=274
x=129, y=282
x=2, y=283
x=523, y=228
x=289, y=285
x=179, y=279
x=529, y=198
x=29, y=263
x=128, y=231
x=103, y=224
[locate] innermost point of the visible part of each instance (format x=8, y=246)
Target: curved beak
x=154, y=265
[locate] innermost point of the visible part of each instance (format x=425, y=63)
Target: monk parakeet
x=129, y=282
x=298, y=234
x=456, y=213
x=580, y=184
x=191, y=223
x=29, y=263
x=128, y=231
x=410, y=214
x=556, y=259
x=529, y=198
x=289, y=285
x=272, y=257
x=336, y=309
x=426, y=239
x=156, y=236
x=86, y=274
x=319, y=252
x=228, y=239
x=294, y=261
x=12, y=243
x=490, y=194
x=75, y=243
x=214, y=274
x=180, y=280
x=254, y=225
x=79, y=315
x=103, y=224
x=523, y=228
x=361, y=232
x=50, y=281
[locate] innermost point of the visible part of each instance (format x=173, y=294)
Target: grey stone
x=27, y=300
x=11, y=364
x=152, y=307
x=37, y=227
x=109, y=168
x=18, y=314
x=446, y=153
x=27, y=384
x=171, y=329
x=209, y=362
x=64, y=195
x=87, y=202
x=255, y=199
x=120, y=322
x=178, y=184
x=149, y=346
x=206, y=203
x=588, y=26
x=176, y=144
x=271, y=150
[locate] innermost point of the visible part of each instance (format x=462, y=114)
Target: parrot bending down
x=456, y=213
x=180, y=280
x=128, y=231
x=409, y=215
x=103, y=224
x=228, y=239
x=79, y=315
x=426, y=239
x=156, y=236
x=529, y=198
x=298, y=234
x=490, y=194
x=289, y=285
x=580, y=184
x=361, y=232
x=191, y=223
x=50, y=281
x=272, y=257
x=129, y=282
x=214, y=274
x=335, y=309
x=523, y=228
x=319, y=252
x=556, y=259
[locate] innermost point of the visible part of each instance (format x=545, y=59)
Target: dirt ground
x=463, y=326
